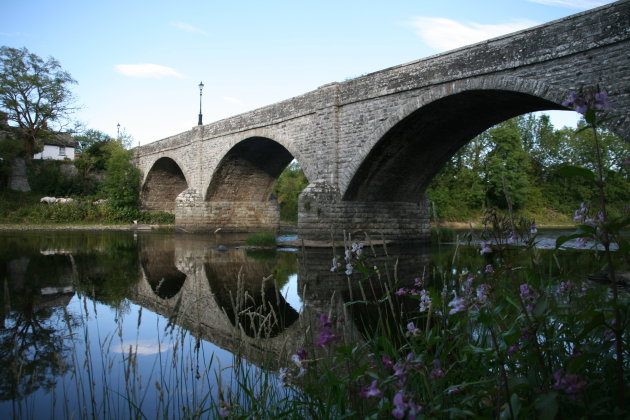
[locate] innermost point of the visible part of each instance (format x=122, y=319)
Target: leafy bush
x=262, y=238
x=122, y=181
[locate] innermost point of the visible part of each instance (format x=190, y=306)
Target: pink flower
x=324, y=322
x=371, y=391
x=401, y=292
x=569, y=383
x=412, y=330
x=437, y=372
x=485, y=249
x=402, y=407
x=224, y=409
x=387, y=362
x=425, y=300
x=457, y=304
x=588, y=99
x=489, y=268
x=482, y=293
x=326, y=337
x=513, y=349
x=627, y=162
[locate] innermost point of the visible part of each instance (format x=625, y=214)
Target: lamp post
x=200, y=91
x=118, y=130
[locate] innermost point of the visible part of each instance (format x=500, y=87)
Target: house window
x=62, y=150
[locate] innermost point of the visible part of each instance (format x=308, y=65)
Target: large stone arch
x=400, y=159
x=163, y=183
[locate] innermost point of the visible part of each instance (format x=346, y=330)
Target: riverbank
x=476, y=225
x=89, y=227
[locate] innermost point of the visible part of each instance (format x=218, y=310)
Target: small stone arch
x=399, y=160
x=160, y=272
x=164, y=182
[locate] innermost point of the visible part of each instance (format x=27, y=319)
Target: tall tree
x=35, y=94
x=507, y=170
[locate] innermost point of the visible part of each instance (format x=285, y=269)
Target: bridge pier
x=322, y=213
x=192, y=213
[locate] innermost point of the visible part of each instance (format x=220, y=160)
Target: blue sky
x=139, y=63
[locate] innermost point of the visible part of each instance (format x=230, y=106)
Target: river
x=142, y=324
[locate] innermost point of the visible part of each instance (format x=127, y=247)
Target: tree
x=122, y=180
x=35, y=94
x=84, y=141
x=508, y=167
x=288, y=187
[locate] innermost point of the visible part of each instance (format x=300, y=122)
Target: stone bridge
x=370, y=146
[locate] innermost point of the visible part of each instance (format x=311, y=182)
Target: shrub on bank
x=262, y=238
x=16, y=207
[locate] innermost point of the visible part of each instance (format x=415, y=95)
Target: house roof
x=60, y=139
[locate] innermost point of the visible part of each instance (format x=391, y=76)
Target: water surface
x=111, y=324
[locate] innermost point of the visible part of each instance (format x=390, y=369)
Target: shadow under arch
x=404, y=161
x=249, y=301
x=248, y=171
x=163, y=184
x=159, y=268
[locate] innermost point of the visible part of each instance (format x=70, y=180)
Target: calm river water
x=111, y=324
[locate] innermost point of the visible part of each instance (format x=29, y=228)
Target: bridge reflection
x=235, y=299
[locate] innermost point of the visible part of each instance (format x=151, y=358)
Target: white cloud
x=188, y=28
x=147, y=70
x=142, y=347
x=573, y=4
x=232, y=100
x=446, y=34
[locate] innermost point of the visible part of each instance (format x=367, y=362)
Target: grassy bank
x=25, y=209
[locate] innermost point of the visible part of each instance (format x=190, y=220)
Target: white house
x=59, y=148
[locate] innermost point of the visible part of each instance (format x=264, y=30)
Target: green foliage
x=507, y=167
x=262, y=238
x=25, y=208
x=520, y=159
x=511, y=340
x=47, y=178
x=442, y=235
x=121, y=186
x=288, y=187
x=87, y=140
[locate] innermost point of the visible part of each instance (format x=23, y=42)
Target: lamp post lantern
x=118, y=130
x=200, y=91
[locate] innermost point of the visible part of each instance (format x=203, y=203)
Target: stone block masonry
x=193, y=214
x=370, y=146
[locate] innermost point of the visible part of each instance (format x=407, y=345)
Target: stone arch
x=163, y=183
x=400, y=159
x=160, y=272
x=244, y=292
x=248, y=171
